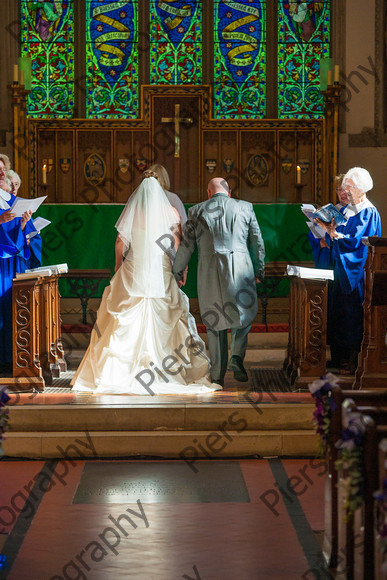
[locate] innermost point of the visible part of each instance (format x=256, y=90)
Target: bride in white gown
x=145, y=340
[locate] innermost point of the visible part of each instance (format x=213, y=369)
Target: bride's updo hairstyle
x=149, y=173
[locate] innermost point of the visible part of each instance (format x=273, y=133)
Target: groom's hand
x=183, y=281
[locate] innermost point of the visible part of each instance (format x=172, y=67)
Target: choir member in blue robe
x=13, y=243
x=322, y=257
x=35, y=242
x=320, y=249
x=349, y=256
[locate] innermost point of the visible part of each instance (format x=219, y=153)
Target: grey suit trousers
x=218, y=348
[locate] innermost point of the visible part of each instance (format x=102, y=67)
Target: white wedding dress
x=144, y=341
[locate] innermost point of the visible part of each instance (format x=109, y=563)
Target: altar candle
x=44, y=173
x=329, y=81
x=298, y=180
x=336, y=74
x=21, y=77
x=15, y=73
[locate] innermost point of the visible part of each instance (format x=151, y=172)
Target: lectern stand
x=306, y=354
x=38, y=355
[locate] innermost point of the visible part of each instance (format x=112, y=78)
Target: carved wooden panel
x=372, y=368
x=306, y=356
x=27, y=330
x=258, y=157
x=38, y=353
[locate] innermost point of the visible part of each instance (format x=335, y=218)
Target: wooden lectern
x=372, y=368
x=38, y=355
x=306, y=354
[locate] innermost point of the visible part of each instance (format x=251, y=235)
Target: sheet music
x=39, y=224
x=20, y=205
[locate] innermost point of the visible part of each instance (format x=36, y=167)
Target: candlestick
x=15, y=73
x=298, y=175
x=329, y=81
x=21, y=77
x=44, y=173
x=336, y=74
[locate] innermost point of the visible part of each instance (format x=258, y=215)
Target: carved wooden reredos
x=101, y=161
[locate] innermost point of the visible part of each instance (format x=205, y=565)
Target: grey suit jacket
x=231, y=254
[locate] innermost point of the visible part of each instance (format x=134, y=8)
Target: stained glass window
x=48, y=40
x=240, y=59
x=303, y=39
x=176, y=42
x=112, y=59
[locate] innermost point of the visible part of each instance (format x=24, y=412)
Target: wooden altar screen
x=38, y=355
x=101, y=161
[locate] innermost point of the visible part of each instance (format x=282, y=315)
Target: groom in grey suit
x=231, y=262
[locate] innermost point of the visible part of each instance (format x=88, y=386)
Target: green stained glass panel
x=303, y=39
x=48, y=41
x=112, y=59
x=176, y=42
x=239, y=59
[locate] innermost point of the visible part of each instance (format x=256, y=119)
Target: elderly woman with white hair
x=34, y=239
x=349, y=256
x=14, y=180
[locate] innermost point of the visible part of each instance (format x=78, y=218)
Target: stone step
x=187, y=445
x=143, y=417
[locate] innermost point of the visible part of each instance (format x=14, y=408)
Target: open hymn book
x=310, y=273
x=326, y=214
x=44, y=271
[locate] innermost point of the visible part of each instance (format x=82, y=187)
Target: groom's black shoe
x=236, y=365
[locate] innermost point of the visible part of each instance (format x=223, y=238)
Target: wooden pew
x=380, y=550
x=372, y=368
x=371, y=398
x=356, y=536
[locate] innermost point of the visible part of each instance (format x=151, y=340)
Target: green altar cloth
x=84, y=236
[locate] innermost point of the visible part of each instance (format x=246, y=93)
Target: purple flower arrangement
x=321, y=390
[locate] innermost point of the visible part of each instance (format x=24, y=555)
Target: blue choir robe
x=13, y=245
x=321, y=256
x=349, y=256
x=35, y=246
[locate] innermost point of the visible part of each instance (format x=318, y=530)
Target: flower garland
x=351, y=462
x=321, y=390
x=4, y=398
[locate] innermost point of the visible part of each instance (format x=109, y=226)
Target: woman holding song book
x=34, y=240
x=13, y=246
x=349, y=256
x=320, y=248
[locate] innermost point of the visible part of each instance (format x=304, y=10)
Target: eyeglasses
x=350, y=187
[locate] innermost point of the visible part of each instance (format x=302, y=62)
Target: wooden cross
x=177, y=120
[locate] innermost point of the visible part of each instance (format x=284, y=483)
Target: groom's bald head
x=218, y=185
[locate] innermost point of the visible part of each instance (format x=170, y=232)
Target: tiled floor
x=275, y=535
